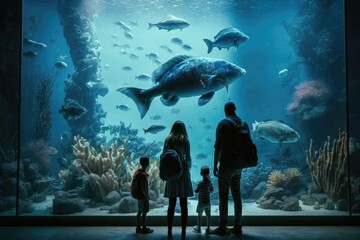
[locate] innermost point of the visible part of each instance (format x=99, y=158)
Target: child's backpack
x=135, y=187
x=170, y=165
x=244, y=146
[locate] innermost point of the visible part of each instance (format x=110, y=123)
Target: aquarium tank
x=103, y=81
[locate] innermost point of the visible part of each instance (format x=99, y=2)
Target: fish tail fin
x=136, y=94
x=209, y=44
x=151, y=25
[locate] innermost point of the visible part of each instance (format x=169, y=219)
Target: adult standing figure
x=229, y=171
x=182, y=187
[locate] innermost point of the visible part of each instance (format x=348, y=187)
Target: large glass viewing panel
x=103, y=81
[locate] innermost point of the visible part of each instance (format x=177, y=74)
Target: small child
x=204, y=188
x=141, y=177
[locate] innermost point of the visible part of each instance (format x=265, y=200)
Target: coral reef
x=276, y=179
x=40, y=154
x=292, y=173
x=328, y=167
x=85, y=84
x=287, y=179
x=310, y=100
x=103, y=168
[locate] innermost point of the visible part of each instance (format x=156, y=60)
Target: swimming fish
x=61, y=64
x=123, y=107
x=283, y=73
x=226, y=38
x=154, y=129
x=185, y=76
x=143, y=77
x=170, y=23
x=155, y=117
x=274, y=131
x=72, y=110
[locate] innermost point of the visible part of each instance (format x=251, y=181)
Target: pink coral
x=310, y=99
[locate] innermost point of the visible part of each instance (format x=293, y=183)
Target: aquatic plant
x=328, y=167
x=276, y=179
x=42, y=110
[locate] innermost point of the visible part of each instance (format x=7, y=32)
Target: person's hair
x=144, y=161
x=178, y=133
x=204, y=171
x=230, y=108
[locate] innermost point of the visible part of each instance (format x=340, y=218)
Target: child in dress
x=204, y=188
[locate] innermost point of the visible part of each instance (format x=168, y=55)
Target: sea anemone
x=276, y=179
x=292, y=173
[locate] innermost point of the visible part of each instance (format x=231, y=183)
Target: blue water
x=259, y=95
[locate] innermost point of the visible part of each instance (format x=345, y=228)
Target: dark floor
x=120, y=233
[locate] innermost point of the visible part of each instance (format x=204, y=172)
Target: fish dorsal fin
x=225, y=30
x=165, y=67
x=273, y=120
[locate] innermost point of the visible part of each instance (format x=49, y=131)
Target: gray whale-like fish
x=226, y=38
x=170, y=23
x=274, y=131
x=185, y=76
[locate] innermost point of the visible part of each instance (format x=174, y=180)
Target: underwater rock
x=291, y=204
x=271, y=204
x=307, y=200
x=274, y=192
x=40, y=185
x=8, y=170
x=37, y=198
x=112, y=197
x=258, y=190
x=25, y=206
x=342, y=205
x=320, y=198
x=328, y=205
x=68, y=205
x=128, y=205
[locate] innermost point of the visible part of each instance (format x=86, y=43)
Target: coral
x=310, y=100
x=328, y=167
x=155, y=182
x=292, y=173
x=40, y=153
x=103, y=168
x=42, y=110
x=276, y=179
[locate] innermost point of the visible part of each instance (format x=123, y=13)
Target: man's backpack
x=244, y=146
x=170, y=165
x=135, y=187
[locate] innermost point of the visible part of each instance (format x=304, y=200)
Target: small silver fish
x=187, y=47
x=123, y=107
x=143, y=77
x=170, y=23
x=127, y=68
x=61, y=64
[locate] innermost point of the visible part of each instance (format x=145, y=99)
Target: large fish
x=170, y=23
x=274, y=131
x=185, y=76
x=226, y=38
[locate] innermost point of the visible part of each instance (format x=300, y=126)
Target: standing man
x=229, y=171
